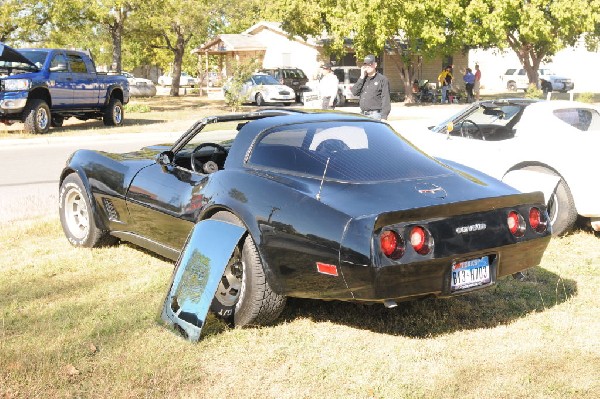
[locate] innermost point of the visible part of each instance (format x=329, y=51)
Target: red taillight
x=391, y=244
x=516, y=224
x=420, y=240
x=537, y=220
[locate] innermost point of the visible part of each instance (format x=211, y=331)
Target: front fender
x=197, y=275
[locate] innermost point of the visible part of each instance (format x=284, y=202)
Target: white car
x=262, y=88
x=139, y=87
x=547, y=146
x=184, y=80
x=516, y=79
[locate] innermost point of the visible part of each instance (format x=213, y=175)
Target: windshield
x=264, y=80
x=352, y=151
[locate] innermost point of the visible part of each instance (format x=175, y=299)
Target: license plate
x=470, y=273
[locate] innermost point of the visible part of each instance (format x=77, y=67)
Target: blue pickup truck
x=43, y=87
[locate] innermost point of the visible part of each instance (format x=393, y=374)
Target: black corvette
x=312, y=205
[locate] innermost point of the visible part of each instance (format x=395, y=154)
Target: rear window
x=354, y=75
x=580, y=118
x=510, y=72
x=294, y=74
x=356, y=152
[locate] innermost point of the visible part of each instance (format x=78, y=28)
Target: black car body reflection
x=333, y=206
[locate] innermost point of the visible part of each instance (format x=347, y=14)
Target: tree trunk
x=529, y=57
x=178, y=51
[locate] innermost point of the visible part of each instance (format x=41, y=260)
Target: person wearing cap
x=373, y=90
x=328, y=87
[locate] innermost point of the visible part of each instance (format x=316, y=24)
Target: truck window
x=77, y=64
x=59, y=63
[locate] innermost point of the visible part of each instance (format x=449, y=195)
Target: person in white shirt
x=328, y=87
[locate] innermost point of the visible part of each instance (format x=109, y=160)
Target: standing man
x=328, y=87
x=469, y=79
x=445, y=81
x=476, y=85
x=374, y=91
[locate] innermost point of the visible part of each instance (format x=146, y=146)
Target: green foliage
x=138, y=108
x=241, y=73
x=533, y=92
x=586, y=97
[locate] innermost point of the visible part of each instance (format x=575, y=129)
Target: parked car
x=291, y=77
x=262, y=89
x=42, y=87
x=547, y=146
x=140, y=87
x=184, y=80
x=317, y=205
x=516, y=79
x=347, y=76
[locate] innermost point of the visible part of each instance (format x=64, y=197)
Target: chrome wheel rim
x=76, y=214
x=230, y=287
x=118, y=115
x=42, y=118
x=553, y=208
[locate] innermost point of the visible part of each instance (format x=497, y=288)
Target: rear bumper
x=432, y=277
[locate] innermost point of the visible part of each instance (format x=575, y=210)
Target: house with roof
x=273, y=47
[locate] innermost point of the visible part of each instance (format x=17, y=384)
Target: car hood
x=9, y=54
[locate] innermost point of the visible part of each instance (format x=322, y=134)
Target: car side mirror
x=165, y=158
x=59, y=68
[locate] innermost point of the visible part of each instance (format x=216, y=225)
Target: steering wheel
x=209, y=166
x=471, y=130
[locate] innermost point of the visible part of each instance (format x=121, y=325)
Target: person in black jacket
x=373, y=89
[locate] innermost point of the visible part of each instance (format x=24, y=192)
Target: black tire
x=36, y=117
x=341, y=100
x=561, y=206
x=77, y=217
x=511, y=86
x=244, y=297
x=114, y=113
x=260, y=101
x=57, y=121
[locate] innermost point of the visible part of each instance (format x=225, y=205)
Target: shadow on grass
x=501, y=304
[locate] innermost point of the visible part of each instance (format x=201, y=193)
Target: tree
x=412, y=30
x=535, y=29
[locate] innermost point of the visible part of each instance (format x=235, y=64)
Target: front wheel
x=561, y=206
x=113, y=114
x=37, y=117
x=260, y=101
x=244, y=297
x=77, y=217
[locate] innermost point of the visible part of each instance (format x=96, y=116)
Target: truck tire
x=244, y=297
x=113, y=114
x=77, y=215
x=511, y=86
x=561, y=206
x=37, y=117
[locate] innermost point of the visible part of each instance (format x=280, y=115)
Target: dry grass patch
x=84, y=323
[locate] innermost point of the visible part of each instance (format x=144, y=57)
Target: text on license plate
x=470, y=273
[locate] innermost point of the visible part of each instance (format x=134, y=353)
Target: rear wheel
x=561, y=206
x=260, y=101
x=37, y=117
x=512, y=86
x=113, y=114
x=77, y=217
x=244, y=297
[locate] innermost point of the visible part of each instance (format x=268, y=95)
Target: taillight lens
x=391, y=244
x=420, y=239
x=516, y=224
x=537, y=221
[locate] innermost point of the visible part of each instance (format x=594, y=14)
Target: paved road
x=30, y=168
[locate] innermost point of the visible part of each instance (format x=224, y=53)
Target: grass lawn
x=85, y=323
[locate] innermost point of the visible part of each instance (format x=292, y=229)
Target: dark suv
x=292, y=77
